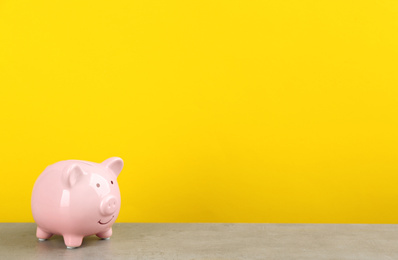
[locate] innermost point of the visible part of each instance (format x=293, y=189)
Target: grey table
x=210, y=241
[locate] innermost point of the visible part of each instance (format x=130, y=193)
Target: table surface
x=210, y=241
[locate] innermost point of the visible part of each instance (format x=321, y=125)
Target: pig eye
x=98, y=185
x=112, y=182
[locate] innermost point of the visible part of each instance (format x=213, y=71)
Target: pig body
x=77, y=199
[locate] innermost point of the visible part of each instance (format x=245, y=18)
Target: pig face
x=93, y=193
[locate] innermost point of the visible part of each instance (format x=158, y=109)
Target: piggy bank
x=75, y=199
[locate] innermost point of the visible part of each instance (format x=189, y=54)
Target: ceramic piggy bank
x=76, y=199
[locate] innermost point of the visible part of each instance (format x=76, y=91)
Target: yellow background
x=223, y=111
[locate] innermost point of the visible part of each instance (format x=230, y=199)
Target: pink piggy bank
x=77, y=199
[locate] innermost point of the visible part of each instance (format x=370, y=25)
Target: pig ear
x=72, y=175
x=115, y=164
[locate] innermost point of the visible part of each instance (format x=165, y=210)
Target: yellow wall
x=223, y=111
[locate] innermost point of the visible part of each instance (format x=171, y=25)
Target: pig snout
x=109, y=205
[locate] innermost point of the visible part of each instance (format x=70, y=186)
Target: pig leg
x=42, y=235
x=106, y=234
x=72, y=241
